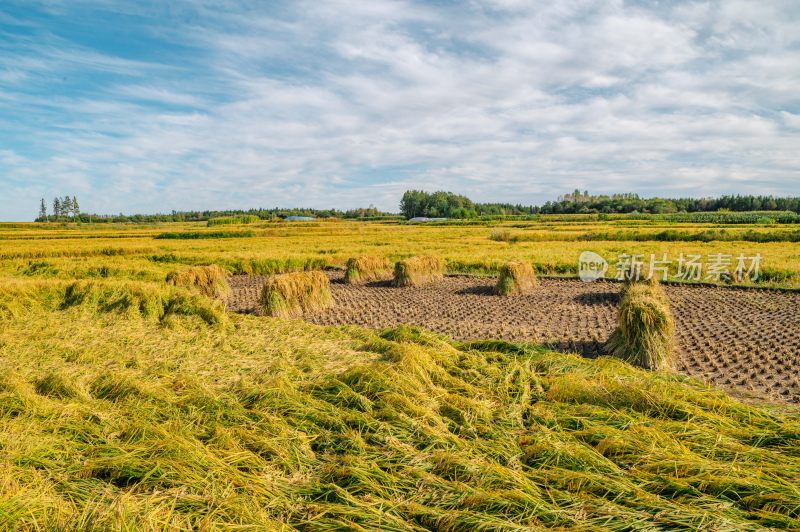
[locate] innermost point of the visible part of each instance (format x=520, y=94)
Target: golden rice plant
x=291, y=294
x=645, y=332
x=365, y=269
x=56, y=384
x=516, y=277
x=114, y=424
x=134, y=299
x=210, y=280
x=417, y=271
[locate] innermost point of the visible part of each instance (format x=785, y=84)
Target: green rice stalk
x=233, y=220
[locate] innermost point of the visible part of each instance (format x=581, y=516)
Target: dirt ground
x=744, y=340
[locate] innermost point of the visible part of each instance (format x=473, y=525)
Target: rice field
x=133, y=398
x=61, y=251
x=745, y=341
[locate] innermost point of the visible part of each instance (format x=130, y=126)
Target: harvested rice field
x=146, y=383
x=399, y=266
x=745, y=340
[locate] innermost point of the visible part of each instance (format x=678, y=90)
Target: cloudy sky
x=151, y=106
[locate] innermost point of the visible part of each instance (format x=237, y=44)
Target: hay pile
x=645, y=333
x=516, y=278
x=366, y=269
x=418, y=271
x=210, y=280
x=291, y=294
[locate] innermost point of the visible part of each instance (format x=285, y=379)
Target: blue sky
x=153, y=106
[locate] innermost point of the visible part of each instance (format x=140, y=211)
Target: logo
x=717, y=268
x=591, y=266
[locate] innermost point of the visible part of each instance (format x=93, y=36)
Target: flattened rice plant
x=273, y=425
x=210, y=280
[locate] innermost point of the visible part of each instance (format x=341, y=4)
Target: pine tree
x=76, y=210
x=57, y=208
x=43, y=211
x=66, y=206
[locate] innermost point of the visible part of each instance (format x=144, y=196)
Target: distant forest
x=442, y=204
x=368, y=213
x=449, y=205
x=583, y=202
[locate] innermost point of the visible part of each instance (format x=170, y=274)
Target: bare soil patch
x=744, y=340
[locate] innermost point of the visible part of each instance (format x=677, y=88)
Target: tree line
x=449, y=205
x=442, y=204
x=579, y=202
x=63, y=208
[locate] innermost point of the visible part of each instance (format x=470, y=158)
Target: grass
x=516, y=278
x=709, y=235
x=645, y=330
x=504, y=235
x=233, y=220
x=737, y=218
x=418, y=271
x=274, y=424
x=366, y=269
x=292, y=294
x=254, y=266
x=209, y=280
x=198, y=235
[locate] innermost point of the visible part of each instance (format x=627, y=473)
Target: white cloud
x=340, y=104
x=159, y=95
x=791, y=119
